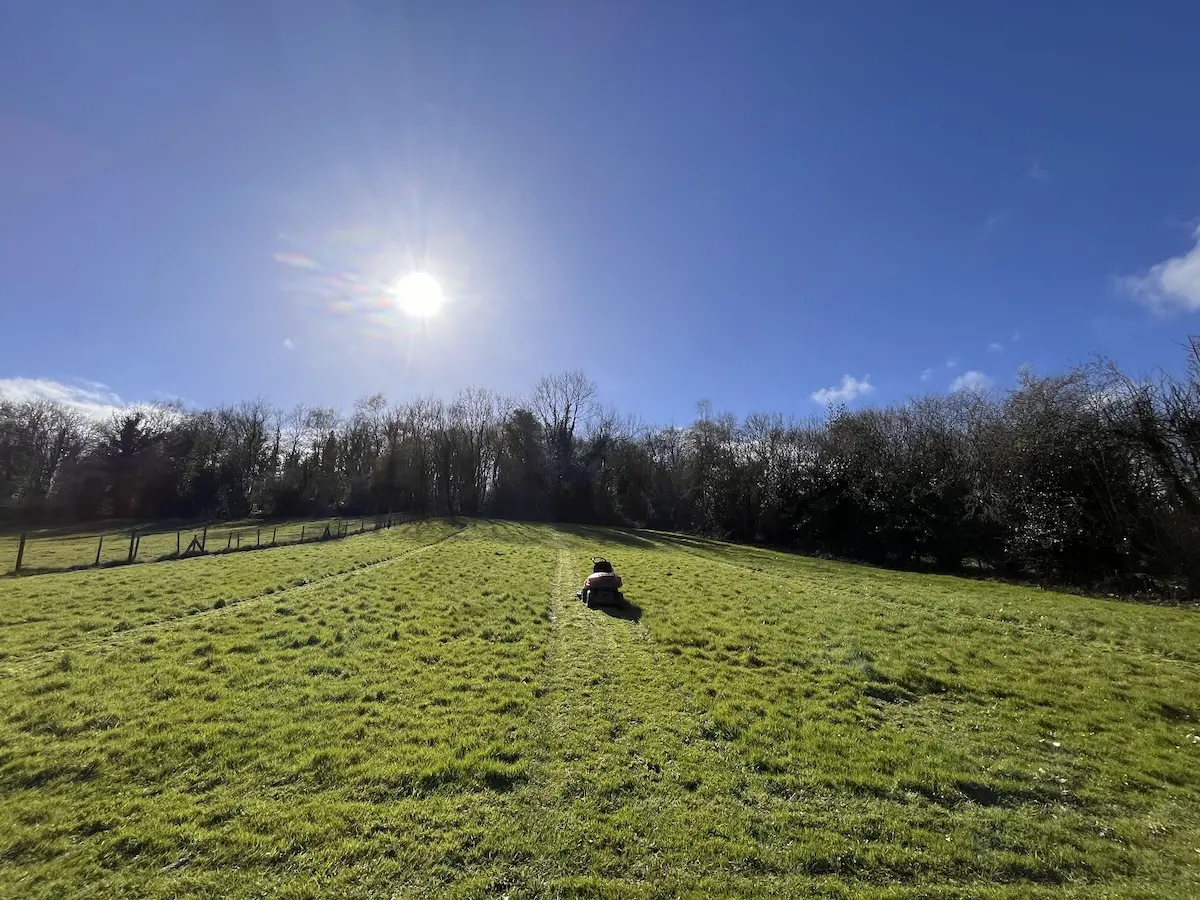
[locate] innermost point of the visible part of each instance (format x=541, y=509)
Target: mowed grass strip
x=456, y=724
x=52, y=612
x=64, y=548
x=628, y=788
x=364, y=732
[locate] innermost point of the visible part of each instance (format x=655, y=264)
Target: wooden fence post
x=239, y=542
x=228, y=539
x=177, y=536
x=258, y=538
x=273, y=531
x=132, y=538
x=302, y=527
x=20, y=553
x=204, y=538
x=137, y=546
x=99, y=547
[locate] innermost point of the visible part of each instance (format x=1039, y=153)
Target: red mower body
x=603, y=586
x=602, y=581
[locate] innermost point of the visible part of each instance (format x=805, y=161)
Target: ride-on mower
x=603, y=586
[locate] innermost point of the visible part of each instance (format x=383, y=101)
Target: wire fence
x=61, y=550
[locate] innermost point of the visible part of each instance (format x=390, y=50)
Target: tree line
x=1087, y=478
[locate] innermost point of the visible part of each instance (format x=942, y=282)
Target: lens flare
x=419, y=295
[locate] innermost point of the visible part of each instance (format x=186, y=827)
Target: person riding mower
x=603, y=586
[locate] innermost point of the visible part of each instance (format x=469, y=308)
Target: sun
x=419, y=294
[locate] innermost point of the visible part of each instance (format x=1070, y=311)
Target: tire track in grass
x=627, y=786
x=17, y=664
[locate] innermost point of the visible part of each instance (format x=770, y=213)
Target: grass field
x=69, y=547
x=428, y=711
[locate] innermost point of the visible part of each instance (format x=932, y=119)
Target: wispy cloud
x=90, y=398
x=1016, y=336
x=995, y=347
x=927, y=374
x=289, y=344
x=973, y=381
x=1170, y=285
x=1039, y=172
x=850, y=388
x=994, y=223
x=297, y=260
x=952, y=362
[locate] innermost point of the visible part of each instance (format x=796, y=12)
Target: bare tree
x=561, y=402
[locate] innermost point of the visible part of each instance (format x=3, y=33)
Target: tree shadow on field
x=509, y=531
x=603, y=534
x=661, y=539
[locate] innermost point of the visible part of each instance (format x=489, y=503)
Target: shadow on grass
x=510, y=531
x=604, y=534
x=626, y=610
x=660, y=539
x=739, y=554
x=621, y=609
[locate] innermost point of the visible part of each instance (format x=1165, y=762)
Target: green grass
x=428, y=711
x=49, y=549
x=55, y=612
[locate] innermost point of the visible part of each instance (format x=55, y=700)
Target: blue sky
x=748, y=203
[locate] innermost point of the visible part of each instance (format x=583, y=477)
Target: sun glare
x=419, y=294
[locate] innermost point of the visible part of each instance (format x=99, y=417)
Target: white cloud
x=995, y=347
x=289, y=344
x=850, y=388
x=94, y=399
x=1038, y=172
x=1174, y=282
x=952, y=362
x=973, y=381
x=1016, y=336
x=927, y=374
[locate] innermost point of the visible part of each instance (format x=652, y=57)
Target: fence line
x=64, y=551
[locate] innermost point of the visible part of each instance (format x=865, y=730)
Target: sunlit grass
x=51, y=612
x=107, y=544
x=451, y=722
